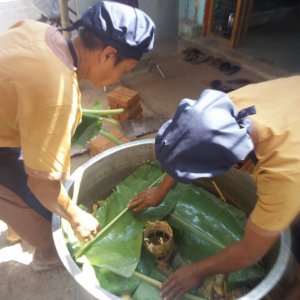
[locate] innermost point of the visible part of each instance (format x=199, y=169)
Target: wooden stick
x=89, y=243
x=158, y=284
x=219, y=191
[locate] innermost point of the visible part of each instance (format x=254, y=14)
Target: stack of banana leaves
x=202, y=226
x=91, y=124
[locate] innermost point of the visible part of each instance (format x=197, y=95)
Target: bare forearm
x=167, y=184
x=54, y=197
x=231, y=259
x=240, y=255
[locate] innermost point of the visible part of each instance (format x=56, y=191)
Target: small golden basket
x=158, y=239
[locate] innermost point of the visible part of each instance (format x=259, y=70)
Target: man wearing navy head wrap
x=40, y=109
x=255, y=128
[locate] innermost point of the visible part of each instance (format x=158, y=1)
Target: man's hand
x=52, y=194
x=184, y=279
x=152, y=196
x=85, y=226
x=148, y=198
x=242, y=254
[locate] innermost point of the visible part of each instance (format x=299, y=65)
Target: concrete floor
x=159, y=96
x=12, y=11
x=275, y=44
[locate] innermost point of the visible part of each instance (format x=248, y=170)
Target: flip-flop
x=216, y=84
x=190, y=53
x=233, y=70
x=226, y=89
x=239, y=81
x=228, y=68
x=216, y=62
x=225, y=66
x=199, y=58
x=191, y=56
x=189, y=50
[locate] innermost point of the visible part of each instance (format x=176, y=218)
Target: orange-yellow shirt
x=39, y=100
x=277, y=146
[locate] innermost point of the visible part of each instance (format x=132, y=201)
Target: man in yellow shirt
x=40, y=109
x=256, y=126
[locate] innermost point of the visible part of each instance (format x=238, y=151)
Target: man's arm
x=52, y=194
x=152, y=196
x=240, y=255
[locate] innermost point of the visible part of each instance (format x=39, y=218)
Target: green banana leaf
x=203, y=226
x=120, y=285
x=86, y=131
x=119, y=249
x=88, y=128
x=91, y=125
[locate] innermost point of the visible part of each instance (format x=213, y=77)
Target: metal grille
x=223, y=17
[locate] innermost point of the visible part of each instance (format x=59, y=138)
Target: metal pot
x=95, y=179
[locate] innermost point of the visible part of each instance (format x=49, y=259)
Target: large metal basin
x=95, y=179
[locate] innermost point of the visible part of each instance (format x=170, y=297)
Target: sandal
x=195, y=56
x=228, y=68
x=200, y=58
x=216, y=62
x=217, y=85
x=188, y=50
x=239, y=81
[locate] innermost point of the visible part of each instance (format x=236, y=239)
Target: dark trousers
x=13, y=177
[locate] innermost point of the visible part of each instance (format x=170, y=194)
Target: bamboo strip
x=219, y=191
x=103, y=111
x=197, y=230
x=158, y=284
x=81, y=250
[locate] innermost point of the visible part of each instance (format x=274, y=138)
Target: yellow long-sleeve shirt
x=39, y=100
x=277, y=146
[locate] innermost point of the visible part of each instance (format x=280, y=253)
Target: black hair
x=92, y=42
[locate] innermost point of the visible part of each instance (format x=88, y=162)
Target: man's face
x=107, y=71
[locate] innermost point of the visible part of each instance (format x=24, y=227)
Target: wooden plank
x=246, y=17
x=237, y=24
x=208, y=17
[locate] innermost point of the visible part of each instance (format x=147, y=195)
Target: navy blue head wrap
x=205, y=137
x=129, y=30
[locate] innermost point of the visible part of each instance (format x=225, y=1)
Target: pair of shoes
x=188, y=50
x=228, y=68
x=194, y=55
x=39, y=265
x=216, y=62
x=217, y=85
x=233, y=85
x=240, y=82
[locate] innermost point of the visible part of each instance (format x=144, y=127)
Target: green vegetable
x=91, y=124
